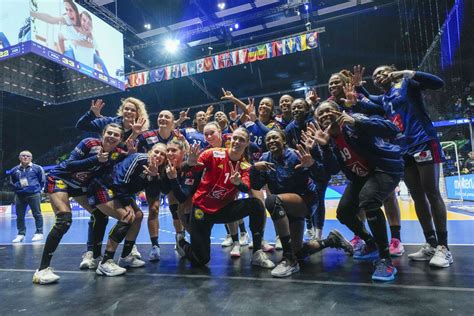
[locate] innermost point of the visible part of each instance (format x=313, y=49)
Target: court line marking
x=314, y=282
x=172, y=243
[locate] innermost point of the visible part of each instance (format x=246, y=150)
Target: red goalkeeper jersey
x=215, y=189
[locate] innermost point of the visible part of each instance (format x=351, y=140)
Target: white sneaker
x=285, y=268
x=235, y=251
x=37, y=237
x=135, y=252
x=244, y=239
x=110, y=268
x=18, y=238
x=442, y=257
x=45, y=276
x=154, y=254
x=179, y=249
x=310, y=234
x=266, y=247
x=318, y=234
x=259, y=258
x=227, y=241
x=88, y=261
x=424, y=254
x=131, y=261
x=278, y=245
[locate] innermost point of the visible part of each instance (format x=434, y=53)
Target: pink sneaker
x=396, y=248
x=357, y=243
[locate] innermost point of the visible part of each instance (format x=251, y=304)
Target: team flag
x=208, y=63
x=312, y=39
x=200, y=65
x=261, y=52
x=183, y=69
x=252, y=54
x=192, y=67
x=243, y=56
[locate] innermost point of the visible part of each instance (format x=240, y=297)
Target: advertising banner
x=463, y=186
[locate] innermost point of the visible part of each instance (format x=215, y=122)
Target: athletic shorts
x=54, y=185
x=427, y=153
x=99, y=193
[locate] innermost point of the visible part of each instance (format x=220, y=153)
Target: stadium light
x=221, y=5
x=147, y=26
x=171, y=45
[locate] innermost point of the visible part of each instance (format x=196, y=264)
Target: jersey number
x=227, y=175
x=345, y=153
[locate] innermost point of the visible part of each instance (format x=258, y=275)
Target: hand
x=131, y=146
x=396, y=75
x=250, y=106
x=317, y=134
x=264, y=166
x=152, y=168
x=227, y=95
x=306, y=160
x=357, y=77
x=137, y=126
x=183, y=116
x=209, y=111
x=345, y=119
x=102, y=156
x=171, y=170
x=233, y=115
x=193, y=156
x=129, y=215
x=177, y=133
x=312, y=96
x=233, y=127
x=96, y=107
x=235, y=177
x=351, y=95
x=307, y=140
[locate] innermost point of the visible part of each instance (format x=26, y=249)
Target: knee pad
x=174, y=211
x=119, y=231
x=100, y=218
x=62, y=224
x=275, y=207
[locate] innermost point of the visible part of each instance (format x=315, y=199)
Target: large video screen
x=64, y=32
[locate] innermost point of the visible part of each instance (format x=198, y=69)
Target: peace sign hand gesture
x=131, y=146
x=183, y=116
x=96, y=107
x=171, y=170
x=235, y=177
x=152, y=168
x=102, y=156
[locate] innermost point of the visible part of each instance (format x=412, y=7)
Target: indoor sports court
x=236, y=157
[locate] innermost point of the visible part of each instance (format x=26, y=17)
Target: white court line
x=172, y=243
x=314, y=282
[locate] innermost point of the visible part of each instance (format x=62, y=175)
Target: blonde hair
x=139, y=106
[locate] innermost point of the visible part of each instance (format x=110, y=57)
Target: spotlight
x=231, y=29
x=171, y=45
x=306, y=7
x=221, y=5
x=147, y=26
x=236, y=26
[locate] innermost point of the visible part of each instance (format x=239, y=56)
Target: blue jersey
x=294, y=129
x=83, y=164
x=404, y=106
x=285, y=178
x=193, y=136
x=185, y=184
x=149, y=138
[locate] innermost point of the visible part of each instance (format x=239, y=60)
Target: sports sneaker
x=424, y=254
x=131, y=261
x=88, y=261
x=180, y=249
x=110, y=268
x=318, y=234
x=396, y=248
x=357, y=243
x=244, y=239
x=442, y=257
x=227, y=241
x=265, y=246
x=37, y=237
x=285, y=268
x=366, y=253
x=235, y=251
x=135, y=252
x=309, y=234
x=18, y=238
x=341, y=242
x=45, y=276
x=278, y=245
x=259, y=258
x=154, y=254
x=384, y=270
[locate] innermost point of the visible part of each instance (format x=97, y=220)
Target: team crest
x=198, y=214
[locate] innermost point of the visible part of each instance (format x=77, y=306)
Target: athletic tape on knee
x=275, y=207
x=119, y=231
x=62, y=224
x=174, y=211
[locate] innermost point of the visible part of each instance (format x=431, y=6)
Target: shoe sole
x=292, y=271
x=154, y=259
x=442, y=266
x=397, y=254
x=344, y=242
x=99, y=272
x=235, y=255
x=419, y=259
x=37, y=280
x=386, y=279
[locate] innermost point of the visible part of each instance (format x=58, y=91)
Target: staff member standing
x=27, y=180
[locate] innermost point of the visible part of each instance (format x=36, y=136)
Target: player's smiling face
x=165, y=119
x=111, y=136
x=299, y=110
x=239, y=141
x=174, y=153
x=213, y=135
x=130, y=112
x=335, y=86
x=275, y=142
x=285, y=103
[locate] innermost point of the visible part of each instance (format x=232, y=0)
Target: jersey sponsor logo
x=60, y=184
x=114, y=156
x=152, y=140
x=423, y=156
x=248, y=124
x=218, y=192
x=358, y=169
x=218, y=154
x=221, y=166
x=244, y=165
x=198, y=214
x=81, y=176
x=397, y=120
x=189, y=181
x=79, y=151
x=95, y=149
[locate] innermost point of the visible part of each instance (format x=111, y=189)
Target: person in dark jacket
x=373, y=168
x=27, y=180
